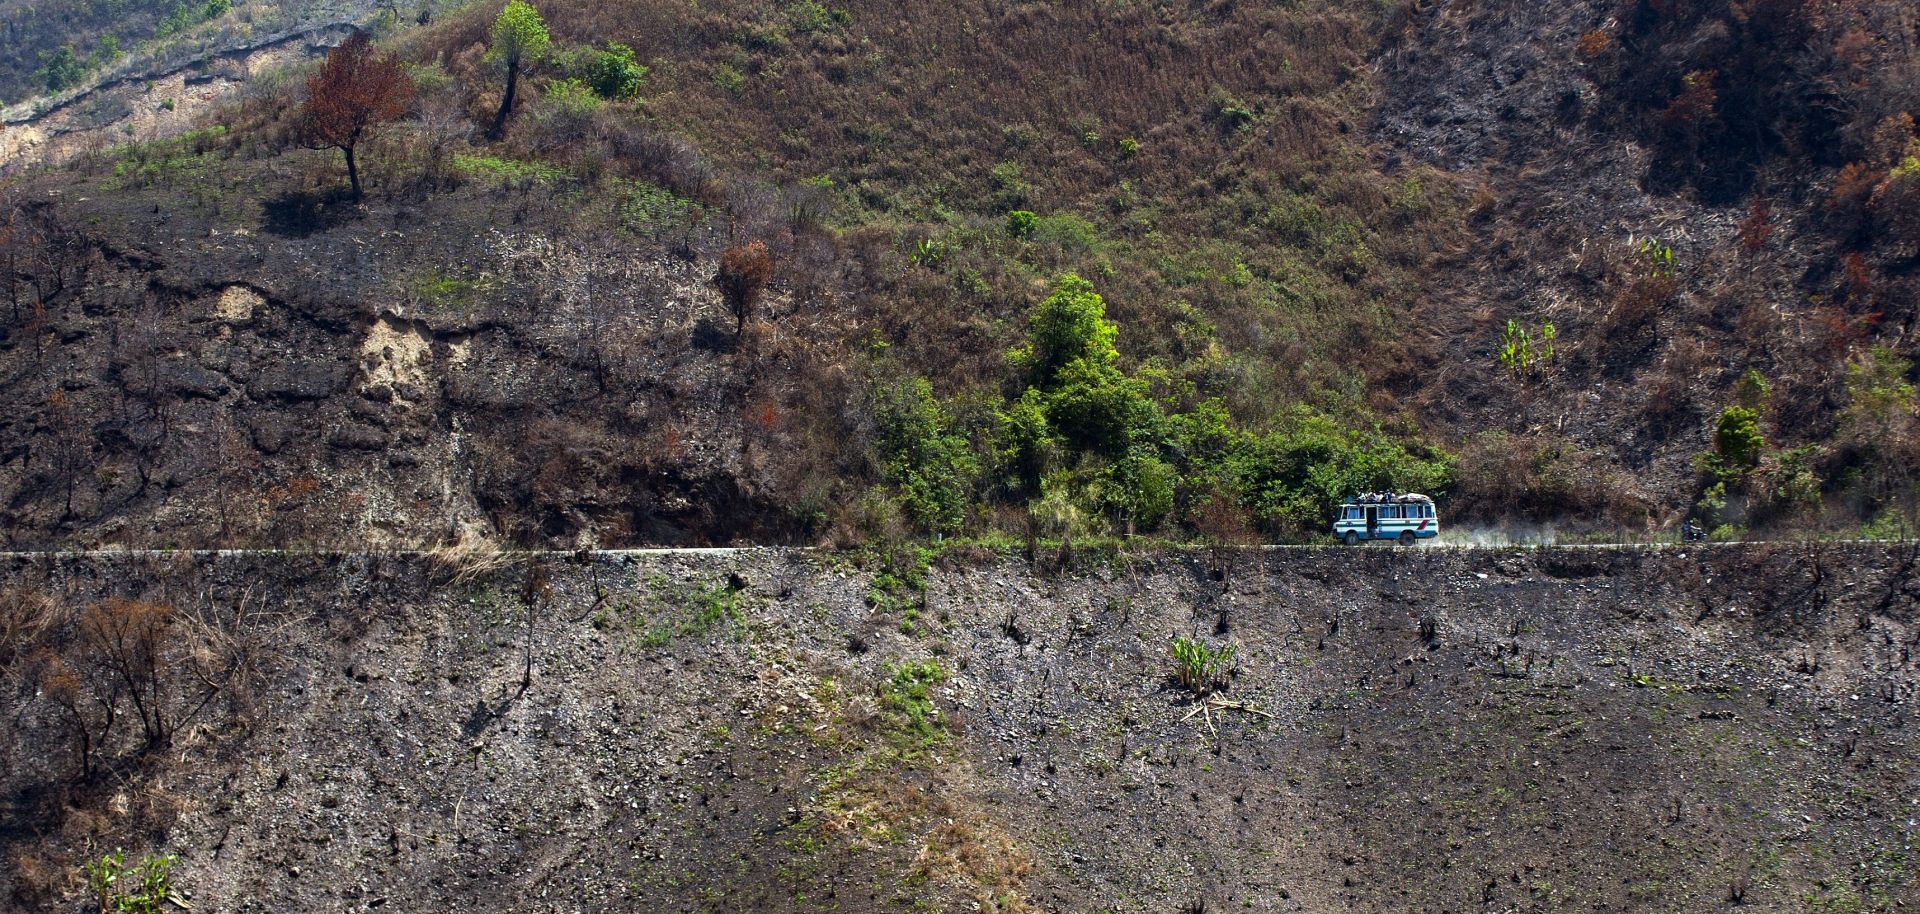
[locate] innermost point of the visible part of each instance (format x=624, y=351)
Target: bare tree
x=742, y=277
x=128, y=640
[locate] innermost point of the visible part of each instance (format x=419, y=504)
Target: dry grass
x=26, y=617
x=470, y=559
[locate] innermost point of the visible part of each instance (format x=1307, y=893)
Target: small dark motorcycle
x=1691, y=532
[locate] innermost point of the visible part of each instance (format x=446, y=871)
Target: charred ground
x=1422, y=730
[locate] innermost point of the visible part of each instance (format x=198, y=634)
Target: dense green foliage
x=66, y=68
x=924, y=455
x=184, y=16
x=1737, y=440
x=613, y=73
x=1085, y=432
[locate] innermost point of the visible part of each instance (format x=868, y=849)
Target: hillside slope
x=1405, y=731
x=1741, y=142
x=1331, y=238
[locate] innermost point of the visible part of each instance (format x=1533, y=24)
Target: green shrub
x=1752, y=389
x=1201, y=669
x=1879, y=396
x=142, y=888
x=614, y=74
x=1020, y=223
x=730, y=79
x=184, y=17
x=1795, y=482
x=922, y=453
x=567, y=109
x=1728, y=533
x=1137, y=490
x=1737, y=440
x=651, y=210
x=1009, y=184
x=807, y=16
x=1066, y=231
x=1129, y=148
x=1056, y=513
x=929, y=252
x=1231, y=113
x=508, y=169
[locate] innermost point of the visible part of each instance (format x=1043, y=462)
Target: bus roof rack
x=1389, y=498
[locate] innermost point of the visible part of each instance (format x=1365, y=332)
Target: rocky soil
x=157, y=101
x=221, y=386
x=1405, y=730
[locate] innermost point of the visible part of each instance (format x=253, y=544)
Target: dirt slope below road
x=1436, y=730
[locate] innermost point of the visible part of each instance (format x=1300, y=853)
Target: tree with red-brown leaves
x=743, y=274
x=350, y=93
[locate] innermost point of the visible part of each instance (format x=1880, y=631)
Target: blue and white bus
x=1385, y=516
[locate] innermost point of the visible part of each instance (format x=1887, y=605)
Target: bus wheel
x=1353, y=538
x=1406, y=537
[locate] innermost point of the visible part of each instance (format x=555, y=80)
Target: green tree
x=1027, y=443
x=1737, y=440
x=1020, y=223
x=519, y=39
x=65, y=70
x=1095, y=406
x=1070, y=325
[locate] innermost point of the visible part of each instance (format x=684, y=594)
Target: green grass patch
x=446, y=290
x=187, y=157
x=697, y=614
x=906, y=700
x=509, y=169
x=650, y=210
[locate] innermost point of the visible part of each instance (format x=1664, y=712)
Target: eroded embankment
x=1418, y=730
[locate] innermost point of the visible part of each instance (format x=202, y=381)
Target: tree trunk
x=499, y=128
x=353, y=173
